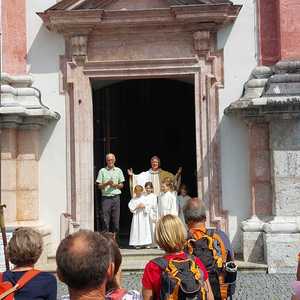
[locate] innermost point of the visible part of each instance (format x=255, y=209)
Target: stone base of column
x=253, y=247
x=282, y=244
x=252, y=240
x=275, y=242
x=281, y=251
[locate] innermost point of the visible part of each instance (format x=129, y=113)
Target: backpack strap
x=21, y=282
x=27, y=277
x=161, y=262
x=195, y=269
x=220, y=254
x=8, y=292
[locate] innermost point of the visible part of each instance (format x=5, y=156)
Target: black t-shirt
x=41, y=287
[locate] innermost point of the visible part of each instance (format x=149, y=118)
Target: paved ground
x=250, y=286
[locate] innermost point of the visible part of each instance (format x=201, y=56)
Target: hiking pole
x=3, y=233
x=2, y=206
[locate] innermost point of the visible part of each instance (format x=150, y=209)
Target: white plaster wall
x=44, y=48
x=240, y=57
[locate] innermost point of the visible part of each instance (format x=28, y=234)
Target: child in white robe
x=151, y=200
x=182, y=200
x=167, y=203
x=140, y=232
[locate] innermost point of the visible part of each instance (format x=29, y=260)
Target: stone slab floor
x=250, y=286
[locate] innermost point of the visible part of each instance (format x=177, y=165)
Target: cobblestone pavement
x=250, y=286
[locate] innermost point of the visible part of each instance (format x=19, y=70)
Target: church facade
x=234, y=63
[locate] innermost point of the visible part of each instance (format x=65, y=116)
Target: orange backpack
x=7, y=289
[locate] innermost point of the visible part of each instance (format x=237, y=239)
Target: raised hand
x=130, y=172
x=179, y=171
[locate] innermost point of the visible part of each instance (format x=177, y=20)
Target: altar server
x=140, y=232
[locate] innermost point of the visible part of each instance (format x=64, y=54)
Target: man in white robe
x=156, y=175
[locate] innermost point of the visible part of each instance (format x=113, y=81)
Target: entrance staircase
x=135, y=261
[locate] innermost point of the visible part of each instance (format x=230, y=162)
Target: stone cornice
x=141, y=68
x=270, y=93
x=87, y=20
x=266, y=108
x=20, y=104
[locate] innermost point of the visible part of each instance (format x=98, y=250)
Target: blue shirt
x=226, y=241
x=41, y=287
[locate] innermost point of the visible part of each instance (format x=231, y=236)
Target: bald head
x=83, y=259
x=79, y=244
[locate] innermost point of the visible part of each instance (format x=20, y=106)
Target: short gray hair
x=25, y=247
x=194, y=213
x=110, y=154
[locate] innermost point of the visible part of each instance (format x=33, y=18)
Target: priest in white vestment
x=140, y=232
x=156, y=175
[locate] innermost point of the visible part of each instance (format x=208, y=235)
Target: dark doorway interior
x=136, y=119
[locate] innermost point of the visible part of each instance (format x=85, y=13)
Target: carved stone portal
x=161, y=40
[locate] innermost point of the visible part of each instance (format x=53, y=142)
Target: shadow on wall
x=235, y=175
x=224, y=36
x=43, y=59
x=43, y=55
x=236, y=239
x=45, y=135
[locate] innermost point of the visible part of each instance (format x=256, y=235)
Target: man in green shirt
x=110, y=180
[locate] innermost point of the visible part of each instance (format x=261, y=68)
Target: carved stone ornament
x=202, y=41
x=79, y=47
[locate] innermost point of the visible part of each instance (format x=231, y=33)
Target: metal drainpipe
x=41, y=103
x=40, y=97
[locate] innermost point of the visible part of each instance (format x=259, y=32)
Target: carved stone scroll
x=202, y=41
x=79, y=47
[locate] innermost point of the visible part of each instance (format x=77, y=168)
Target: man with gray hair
x=211, y=246
x=84, y=264
x=110, y=180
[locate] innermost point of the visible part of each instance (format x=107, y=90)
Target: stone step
x=134, y=260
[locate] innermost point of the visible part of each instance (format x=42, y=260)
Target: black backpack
x=208, y=250
x=181, y=279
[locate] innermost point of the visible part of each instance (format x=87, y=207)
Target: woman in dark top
x=24, y=249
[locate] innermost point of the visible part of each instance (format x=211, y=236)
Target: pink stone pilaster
x=80, y=93
x=14, y=36
x=279, y=30
x=289, y=11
